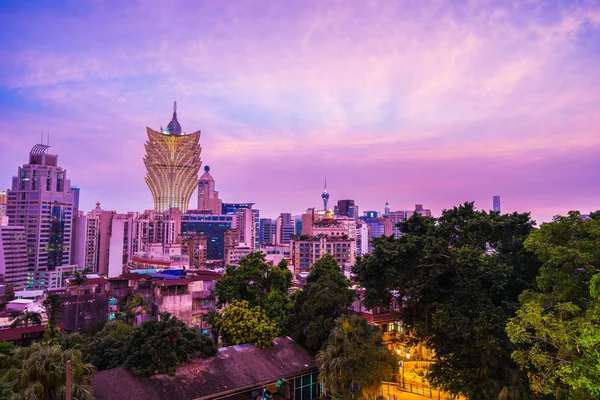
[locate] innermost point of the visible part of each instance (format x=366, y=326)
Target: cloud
x=412, y=100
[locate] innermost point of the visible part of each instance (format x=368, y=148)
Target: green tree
x=457, y=279
x=39, y=373
x=108, y=348
x=159, y=346
x=252, y=281
x=355, y=361
x=54, y=308
x=26, y=318
x=325, y=297
x=557, y=328
x=259, y=284
x=239, y=323
x=78, y=280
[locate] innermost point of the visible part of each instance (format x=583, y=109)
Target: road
x=396, y=394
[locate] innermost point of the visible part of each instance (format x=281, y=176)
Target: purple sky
x=415, y=101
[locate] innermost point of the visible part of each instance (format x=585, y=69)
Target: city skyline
x=375, y=97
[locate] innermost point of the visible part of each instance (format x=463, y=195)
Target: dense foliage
x=39, y=372
x=457, y=279
x=557, y=328
x=159, y=346
x=355, y=361
x=324, y=297
x=238, y=323
x=255, y=282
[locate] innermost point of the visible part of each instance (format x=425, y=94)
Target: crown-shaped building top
x=174, y=128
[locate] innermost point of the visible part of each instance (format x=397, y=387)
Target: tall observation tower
x=325, y=196
x=172, y=162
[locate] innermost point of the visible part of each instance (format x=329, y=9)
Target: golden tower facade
x=172, y=162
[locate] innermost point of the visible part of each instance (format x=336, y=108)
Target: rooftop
x=232, y=370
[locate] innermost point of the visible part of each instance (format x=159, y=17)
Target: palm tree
x=355, y=361
x=135, y=308
x=78, y=280
x=39, y=373
x=25, y=318
x=54, y=308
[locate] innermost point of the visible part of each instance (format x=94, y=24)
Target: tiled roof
x=233, y=370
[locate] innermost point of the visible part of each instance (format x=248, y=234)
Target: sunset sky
x=433, y=102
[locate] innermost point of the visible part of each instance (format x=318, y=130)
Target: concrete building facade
x=40, y=200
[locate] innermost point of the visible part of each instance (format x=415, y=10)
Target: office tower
x=497, y=204
x=208, y=197
x=325, y=197
x=213, y=226
x=298, y=225
x=13, y=255
x=40, y=200
x=285, y=229
x=268, y=230
x=172, y=162
x=345, y=208
x=387, y=209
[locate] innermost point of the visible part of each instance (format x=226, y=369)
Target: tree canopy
x=39, y=372
x=355, y=361
x=255, y=282
x=159, y=346
x=325, y=297
x=457, y=279
x=557, y=328
x=238, y=323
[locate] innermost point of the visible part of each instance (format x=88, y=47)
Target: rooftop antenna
x=174, y=108
x=42, y=138
x=48, y=139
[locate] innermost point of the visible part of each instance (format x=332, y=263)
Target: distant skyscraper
x=346, y=208
x=208, y=197
x=497, y=204
x=268, y=230
x=325, y=197
x=387, y=209
x=75, y=190
x=172, y=161
x=41, y=201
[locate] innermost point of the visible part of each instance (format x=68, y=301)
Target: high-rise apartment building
x=268, y=230
x=248, y=221
x=172, y=162
x=13, y=255
x=285, y=229
x=208, y=197
x=40, y=200
x=497, y=207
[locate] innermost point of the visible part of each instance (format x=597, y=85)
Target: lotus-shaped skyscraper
x=172, y=162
